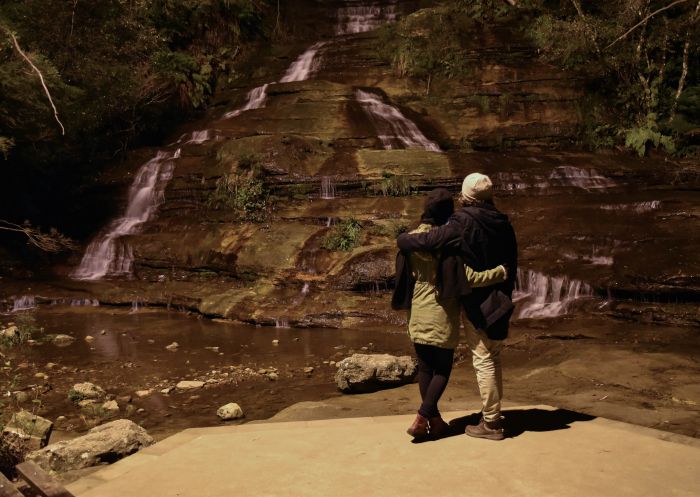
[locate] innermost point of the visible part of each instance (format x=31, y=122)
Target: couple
x=454, y=260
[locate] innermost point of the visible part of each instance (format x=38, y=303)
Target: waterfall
x=24, y=303
x=327, y=188
x=255, y=100
x=393, y=128
x=586, y=179
x=106, y=254
x=542, y=296
x=363, y=18
x=281, y=323
x=638, y=207
x=305, y=289
x=198, y=137
x=84, y=303
x=304, y=66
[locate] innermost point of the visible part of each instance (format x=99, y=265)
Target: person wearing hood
x=434, y=322
x=484, y=238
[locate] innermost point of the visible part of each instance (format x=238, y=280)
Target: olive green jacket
x=437, y=323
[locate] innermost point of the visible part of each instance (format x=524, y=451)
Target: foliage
x=640, y=139
x=25, y=328
x=75, y=396
x=343, y=236
x=639, y=57
x=5, y=145
x=395, y=185
x=244, y=192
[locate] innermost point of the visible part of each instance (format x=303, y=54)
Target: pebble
x=151, y=341
x=172, y=346
x=89, y=338
x=309, y=370
x=141, y=410
x=43, y=376
x=103, y=332
x=275, y=342
x=167, y=390
x=143, y=393
x=273, y=376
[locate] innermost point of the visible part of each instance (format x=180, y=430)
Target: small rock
x=110, y=408
x=21, y=396
x=10, y=332
x=31, y=429
x=230, y=411
x=144, y=393
x=103, y=332
x=275, y=342
x=51, y=365
x=60, y=419
x=124, y=399
x=189, y=385
x=167, y=390
x=370, y=372
x=273, y=376
x=151, y=341
x=62, y=340
x=43, y=376
x=309, y=370
x=213, y=349
x=173, y=346
x=89, y=338
x=87, y=390
x=140, y=410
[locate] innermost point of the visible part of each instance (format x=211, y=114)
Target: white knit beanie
x=477, y=187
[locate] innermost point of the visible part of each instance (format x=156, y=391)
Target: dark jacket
x=484, y=238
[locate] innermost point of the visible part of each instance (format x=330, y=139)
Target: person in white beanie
x=484, y=238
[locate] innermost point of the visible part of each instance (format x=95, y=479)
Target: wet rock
x=230, y=411
x=272, y=376
x=167, y=390
x=370, y=372
x=173, y=346
x=106, y=443
x=275, y=342
x=89, y=338
x=62, y=340
x=143, y=393
x=189, y=385
x=87, y=390
x=33, y=431
x=309, y=370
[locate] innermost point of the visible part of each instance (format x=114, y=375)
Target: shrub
x=24, y=328
x=344, y=236
x=395, y=186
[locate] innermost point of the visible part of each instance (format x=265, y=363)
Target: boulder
x=230, y=411
x=86, y=391
x=189, y=385
x=369, y=372
x=106, y=443
x=110, y=408
x=31, y=430
x=10, y=332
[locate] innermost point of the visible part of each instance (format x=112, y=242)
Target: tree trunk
x=684, y=70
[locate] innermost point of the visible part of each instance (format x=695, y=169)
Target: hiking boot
x=419, y=428
x=491, y=430
x=438, y=427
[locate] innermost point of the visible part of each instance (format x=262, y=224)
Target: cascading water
x=586, y=179
x=542, y=296
x=198, y=137
x=84, y=303
x=106, y=254
x=24, y=303
x=638, y=207
x=302, y=68
x=281, y=323
x=393, y=128
x=360, y=17
x=255, y=100
x=327, y=188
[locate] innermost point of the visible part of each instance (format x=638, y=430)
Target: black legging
x=434, y=368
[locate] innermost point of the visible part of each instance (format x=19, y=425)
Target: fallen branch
x=48, y=242
x=624, y=35
x=41, y=77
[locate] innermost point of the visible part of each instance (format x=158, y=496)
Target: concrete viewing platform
x=551, y=452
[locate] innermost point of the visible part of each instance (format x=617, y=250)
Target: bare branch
x=643, y=21
x=684, y=70
x=48, y=242
x=41, y=77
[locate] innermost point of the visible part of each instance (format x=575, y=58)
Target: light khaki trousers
x=486, y=358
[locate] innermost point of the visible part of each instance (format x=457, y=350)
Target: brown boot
x=419, y=428
x=491, y=430
x=438, y=427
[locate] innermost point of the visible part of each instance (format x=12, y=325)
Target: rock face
x=369, y=372
x=230, y=411
x=87, y=391
x=103, y=444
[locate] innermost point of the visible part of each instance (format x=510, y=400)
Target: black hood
x=491, y=220
x=439, y=206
